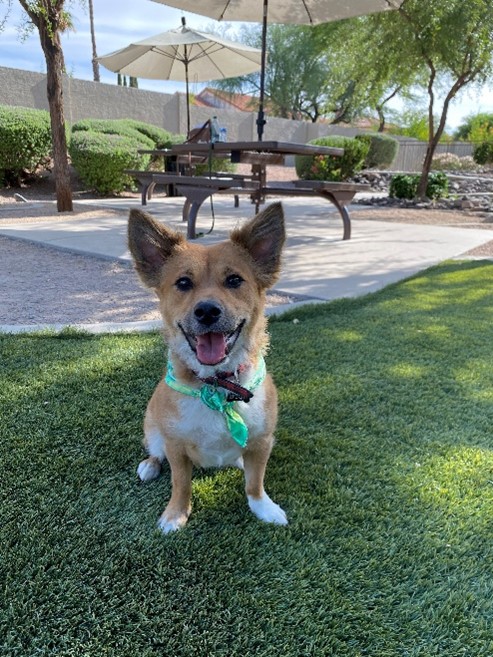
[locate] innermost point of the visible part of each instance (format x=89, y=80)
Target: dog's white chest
x=205, y=431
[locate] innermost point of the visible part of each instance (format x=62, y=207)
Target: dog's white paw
x=168, y=525
x=267, y=510
x=149, y=469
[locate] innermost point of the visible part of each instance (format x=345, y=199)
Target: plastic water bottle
x=223, y=134
x=215, y=130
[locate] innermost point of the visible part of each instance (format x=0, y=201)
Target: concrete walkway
x=317, y=263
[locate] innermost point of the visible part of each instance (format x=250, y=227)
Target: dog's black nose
x=207, y=312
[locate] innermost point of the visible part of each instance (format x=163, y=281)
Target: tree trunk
x=55, y=66
x=425, y=171
x=434, y=137
x=95, y=63
x=381, y=119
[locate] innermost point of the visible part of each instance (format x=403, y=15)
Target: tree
x=476, y=127
x=50, y=19
x=374, y=74
x=449, y=43
x=95, y=63
x=297, y=75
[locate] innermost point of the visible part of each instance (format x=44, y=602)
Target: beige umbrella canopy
x=184, y=54
x=307, y=12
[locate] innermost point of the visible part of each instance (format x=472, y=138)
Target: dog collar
x=215, y=394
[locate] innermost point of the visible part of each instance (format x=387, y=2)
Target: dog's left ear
x=263, y=237
x=150, y=244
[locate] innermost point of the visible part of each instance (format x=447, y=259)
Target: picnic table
x=260, y=155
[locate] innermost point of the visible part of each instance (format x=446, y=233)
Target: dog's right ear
x=150, y=244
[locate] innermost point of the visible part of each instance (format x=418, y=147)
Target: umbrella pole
x=187, y=94
x=260, y=117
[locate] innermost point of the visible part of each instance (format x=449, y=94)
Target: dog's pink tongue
x=211, y=348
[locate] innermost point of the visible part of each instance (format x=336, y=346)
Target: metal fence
x=411, y=154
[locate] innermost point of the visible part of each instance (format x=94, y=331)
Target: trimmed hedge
x=152, y=135
x=160, y=137
x=100, y=159
x=406, y=185
x=382, y=150
x=332, y=168
x=101, y=149
x=25, y=142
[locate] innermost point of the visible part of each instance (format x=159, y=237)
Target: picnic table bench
x=196, y=189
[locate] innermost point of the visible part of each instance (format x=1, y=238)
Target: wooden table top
x=281, y=147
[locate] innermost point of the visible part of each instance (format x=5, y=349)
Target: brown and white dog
x=216, y=405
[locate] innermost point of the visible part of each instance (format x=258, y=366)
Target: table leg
x=194, y=199
x=259, y=174
x=340, y=204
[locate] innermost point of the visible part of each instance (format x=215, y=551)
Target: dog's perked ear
x=150, y=244
x=263, y=237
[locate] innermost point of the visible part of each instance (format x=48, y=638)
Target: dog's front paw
x=168, y=524
x=149, y=469
x=267, y=510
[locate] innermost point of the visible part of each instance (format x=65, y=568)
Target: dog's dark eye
x=233, y=281
x=184, y=283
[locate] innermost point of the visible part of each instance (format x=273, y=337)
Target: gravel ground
x=40, y=284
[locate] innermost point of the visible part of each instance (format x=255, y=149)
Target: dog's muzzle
x=210, y=333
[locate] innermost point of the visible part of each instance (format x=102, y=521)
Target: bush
x=437, y=185
x=331, y=167
x=122, y=127
x=403, y=186
x=382, y=150
x=101, y=149
x=160, y=137
x=25, y=142
x=452, y=162
x=406, y=185
x=483, y=153
x=216, y=164
x=100, y=159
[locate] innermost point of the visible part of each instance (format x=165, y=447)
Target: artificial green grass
x=383, y=463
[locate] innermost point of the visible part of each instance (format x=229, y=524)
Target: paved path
x=317, y=263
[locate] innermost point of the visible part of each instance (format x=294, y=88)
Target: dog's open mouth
x=212, y=348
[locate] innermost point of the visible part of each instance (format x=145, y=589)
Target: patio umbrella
x=184, y=54
x=308, y=12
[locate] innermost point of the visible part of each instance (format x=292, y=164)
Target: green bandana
x=216, y=399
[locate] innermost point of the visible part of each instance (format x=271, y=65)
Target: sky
x=119, y=23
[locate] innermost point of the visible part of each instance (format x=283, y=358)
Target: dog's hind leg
x=259, y=502
x=149, y=468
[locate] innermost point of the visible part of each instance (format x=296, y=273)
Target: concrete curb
x=129, y=327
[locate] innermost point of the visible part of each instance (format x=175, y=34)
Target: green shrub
x=101, y=158
x=216, y=164
x=160, y=137
x=437, y=185
x=25, y=142
x=116, y=150
x=403, y=186
x=382, y=150
x=122, y=127
x=483, y=153
x=332, y=167
x=406, y=185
